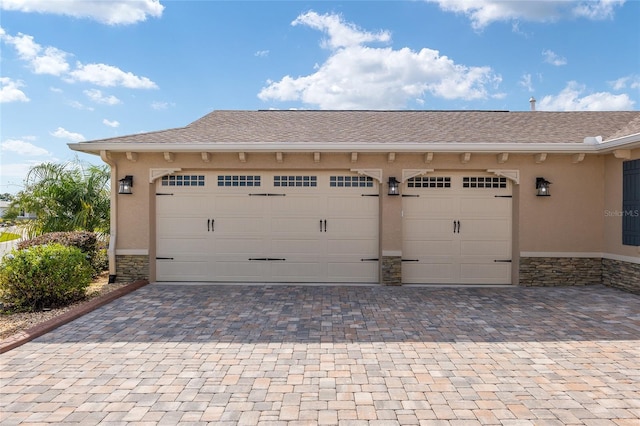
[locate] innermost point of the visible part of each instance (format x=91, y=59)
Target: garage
x=457, y=229
x=257, y=226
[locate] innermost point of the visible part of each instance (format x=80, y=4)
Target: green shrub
x=46, y=276
x=87, y=242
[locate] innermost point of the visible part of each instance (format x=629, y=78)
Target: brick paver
x=349, y=355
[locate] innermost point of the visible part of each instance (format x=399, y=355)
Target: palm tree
x=66, y=197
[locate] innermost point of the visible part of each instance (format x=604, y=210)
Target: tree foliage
x=66, y=197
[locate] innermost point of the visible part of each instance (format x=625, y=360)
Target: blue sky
x=76, y=70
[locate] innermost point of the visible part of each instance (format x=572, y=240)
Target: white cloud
x=96, y=96
x=23, y=148
x=112, y=12
x=158, y=106
x=525, y=82
x=109, y=76
x=113, y=123
x=356, y=76
x=50, y=60
x=80, y=106
x=573, y=98
x=341, y=34
x=485, y=12
x=10, y=91
x=262, y=53
x=597, y=10
x=41, y=60
x=65, y=134
x=18, y=170
x=631, y=81
x=552, y=58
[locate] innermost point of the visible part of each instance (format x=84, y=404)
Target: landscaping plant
x=44, y=276
x=88, y=242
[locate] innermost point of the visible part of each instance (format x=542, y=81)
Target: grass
x=8, y=236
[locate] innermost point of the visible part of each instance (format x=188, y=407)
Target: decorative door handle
x=208, y=225
x=325, y=225
x=458, y=227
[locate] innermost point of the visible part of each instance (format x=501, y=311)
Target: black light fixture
x=542, y=187
x=394, y=186
x=126, y=183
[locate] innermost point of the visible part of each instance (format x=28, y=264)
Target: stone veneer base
x=560, y=271
x=131, y=268
x=392, y=270
x=622, y=275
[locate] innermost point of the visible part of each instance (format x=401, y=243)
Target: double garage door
x=267, y=227
x=324, y=227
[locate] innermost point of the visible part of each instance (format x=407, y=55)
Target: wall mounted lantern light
x=542, y=187
x=126, y=183
x=394, y=186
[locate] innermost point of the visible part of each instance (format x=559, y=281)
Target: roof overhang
x=627, y=142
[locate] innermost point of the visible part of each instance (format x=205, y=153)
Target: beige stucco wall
x=612, y=208
x=570, y=221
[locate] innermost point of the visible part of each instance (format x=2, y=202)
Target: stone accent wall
x=131, y=268
x=392, y=270
x=622, y=275
x=560, y=271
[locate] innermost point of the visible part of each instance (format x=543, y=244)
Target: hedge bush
x=45, y=276
x=87, y=242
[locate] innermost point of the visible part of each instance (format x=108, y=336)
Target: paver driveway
x=298, y=355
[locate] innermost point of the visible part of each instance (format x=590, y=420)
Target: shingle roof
x=393, y=127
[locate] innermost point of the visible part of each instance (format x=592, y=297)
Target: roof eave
x=453, y=147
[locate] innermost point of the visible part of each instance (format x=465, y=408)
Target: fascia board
x=452, y=147
x=625, y=142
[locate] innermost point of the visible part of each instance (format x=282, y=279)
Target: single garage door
x=457, y=229
x=267, y=227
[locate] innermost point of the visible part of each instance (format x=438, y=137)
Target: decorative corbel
x=465, y=157
x=513, y=175
x=623, y=154
x=391, y=157
x=316, y=157
x=242, y=157
x=206, y=157
x=577, y=158
x=372, y=173
x=428, y=157
x=409, y=173
x=132, y=156
x=158, y=173
x=354, y=157
x=503, y=157
x=169, y=157
x=540, y=158
x=279, y=157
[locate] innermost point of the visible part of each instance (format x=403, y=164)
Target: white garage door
x=267, y=227
x=457, y=229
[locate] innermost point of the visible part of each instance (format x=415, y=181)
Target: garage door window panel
x=183, y=180
x=295, y=181
x=239, y=181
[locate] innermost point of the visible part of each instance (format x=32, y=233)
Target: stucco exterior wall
x=571, y=221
